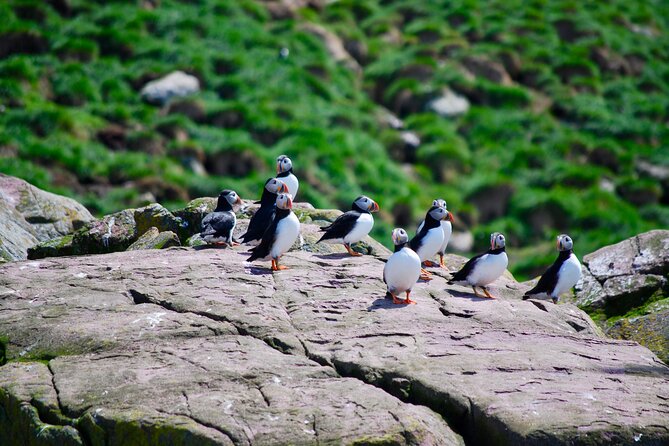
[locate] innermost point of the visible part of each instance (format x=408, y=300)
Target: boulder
x=154, y=239
x=333, y=45
x=175, y=84
x=449, y=104
x=29, y=215
x=196, y=346
x=488, y=69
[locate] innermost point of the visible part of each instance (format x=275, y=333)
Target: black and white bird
x=281, y=234
x=218, y=226
x=402, y=269
x=265, y=214
x=563, y=274
x=485, y=268
x=352, y=226
x=284, y=171
x=429, y=239
x=447, y=227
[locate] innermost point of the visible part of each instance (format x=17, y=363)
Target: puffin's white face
x=284, y=201
x=440, y=213
x=283, y=164
x=232, y=198
x=439, y=202
x=276, y=186
x=364, y=202
x=497, y=240
x=400, y=236
x=564, y=242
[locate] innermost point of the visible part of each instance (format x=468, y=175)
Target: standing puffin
x=447, y=227
x=352, y=226
x=561, y=275
x=280, y=235
x=265, y=214
x=402, y=268
x=217, y=226
x=484, y=268
x=429, y=239
x=284, y=170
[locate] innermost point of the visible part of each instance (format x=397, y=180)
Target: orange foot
x=408, y=300
x=488, y=295
x=350, y=251
x=396, y=300
x=430, y=264
x=425, y=277
x=234, y=244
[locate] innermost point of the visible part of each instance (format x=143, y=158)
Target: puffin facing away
x=265, y=214
x=217, y=226
x=563, y=274
x=485, y=268
x=280, y=235
x=447, y=227
x=402, y=268
x=284, y=170
x=429, y=239
x=352, y=226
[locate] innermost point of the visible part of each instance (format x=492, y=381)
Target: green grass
x=565, y=125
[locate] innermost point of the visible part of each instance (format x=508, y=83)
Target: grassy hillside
x=567, y=125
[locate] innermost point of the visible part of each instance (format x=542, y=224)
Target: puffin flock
x=274, y=228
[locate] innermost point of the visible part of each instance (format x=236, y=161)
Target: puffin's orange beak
x=450, y=217
x=557, y=244
x=290, y=202
x=283, y=189
x=278, y=167
x=374, y=207
x=239, y=200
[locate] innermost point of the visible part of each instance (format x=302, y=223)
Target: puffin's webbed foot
x=350, y=251
x=276, y=266
x=487, y=293
x=430, y=264
x=396, y=300
x=408, y=300
x=442, y=263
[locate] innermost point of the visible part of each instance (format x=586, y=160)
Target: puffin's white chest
x=287, y=231
x=402, y=270
x=431, y=243
x=362, y=226
x=447, y=227
x=568, y=275
x=292, y=184
x=488, y=268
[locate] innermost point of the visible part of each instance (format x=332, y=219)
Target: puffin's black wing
x=218, y=224
x=341, y=226
x=262, y=250
x=547, y=281
x=260, y=221
x=466, y=269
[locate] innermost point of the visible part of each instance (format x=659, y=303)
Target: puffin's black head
x=564, y=243
x=364, y=204
x=283, y=164
x=400, y=237
x=438, y=213
x=497, y=240
x=284, y=201
x=226, y=200
x=275, y=186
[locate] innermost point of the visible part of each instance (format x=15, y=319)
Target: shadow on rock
x=382, y=303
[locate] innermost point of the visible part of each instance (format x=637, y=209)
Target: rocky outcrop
x=195, y=346
x=29, y=215
x=626, y=288
x=175, y=84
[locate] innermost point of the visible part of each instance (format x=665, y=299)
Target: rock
x=190, y=346
x=154, y=239
x=449, y=104
x=190, y=108
x=622, y=281
x=56, y=247
x=195, y=211
x=16, y=234
x=651, y=330
x=114, y=232
x=155, y=215
x=488, y=69
x=175, y=84
x=461, y=241
x=333, y=45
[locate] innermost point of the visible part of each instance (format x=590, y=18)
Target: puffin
x=563, y=274
x=217, y=226
x=402, y=269
x=265, y=214
x=280, y=235
x=485, y=268
x=284, y=170
x=352, y=226
x=447, y=227
x=429, y=239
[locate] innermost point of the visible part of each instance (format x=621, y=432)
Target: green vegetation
x=567, y=99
